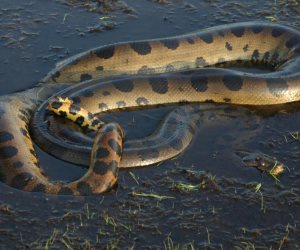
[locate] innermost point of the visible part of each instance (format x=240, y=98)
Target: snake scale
x=141, y=74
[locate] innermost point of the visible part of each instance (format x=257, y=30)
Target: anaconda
x=197, y=55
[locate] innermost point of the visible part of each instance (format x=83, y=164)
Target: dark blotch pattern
x=293, y=42
x=190, y=40
x=121, y=104
x=246, y=48
x=233, y=82
x=18, y=164
x=24, y=132
x=99, y=68
x=87, y=93
x=85, y=77
x=74, y=109
x=55, y=76
x=63, y=114
x=105, y=93
x=142, y=48
x=227, y=100
x=142, y=101
x=6, y=136
x=200, y=62
x=228, y=46
x=255, y=55
x=238, y=31
x=170, y=68
x=106, y=53
x=145, y=70
x=102, y=153
x=20, y=181
x=277, y=86
x=257, y=29
x=125, y=85
x=170, y=43
x=206, y=37
x=276, y=32
x=7, y=152
x=199, y=83
x=102, y=167
x=103, y=106
x=159, y=84
x=56, y=104
x=266, y=56
x=114, y=145
x=83, y=188
x=79, y=120
x=176, y=144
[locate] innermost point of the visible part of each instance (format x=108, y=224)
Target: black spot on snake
x=200, y=62
x=65, y=191
x=257, y=29
x=199, y=83
x=102, y=153
x=266, y=56
x=33, y=152
x=190, y=40
x=106, y=52
x=141, y=101
x=292, y=42
x=228, y=46
x=85, y=77
x=102, y=106
x=114, y=145
x=20, y=181
x=176, y=144
x=55, y=76
x=83, y=188
x=233, y=82
x=24, y=132
x=18, y=164
x=121, y=104
x=238, y=31
x=255, y=55
x=170, y=68
x=79, y=120
x=277, y=86
x=142, y=48
x=63, y=114
x=227, y=100
x=125, y=85
x=99, y=68
x=87, y=93
x=74, y=109
x=145, y=70
x=102, y=167
x=56, y=104
x=6, y=136
x=39, y=188
x=95, y=123
x=7, y=152
x=276, y=32
x=106, y=93
x=159, y=84
x=206, y=37
x=170, y=43
x=76, y=100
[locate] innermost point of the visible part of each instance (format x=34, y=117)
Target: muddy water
x=205, y=198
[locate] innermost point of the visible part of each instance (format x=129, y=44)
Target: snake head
x=263, y=162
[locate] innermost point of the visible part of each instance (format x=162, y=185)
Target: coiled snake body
x=196, y=55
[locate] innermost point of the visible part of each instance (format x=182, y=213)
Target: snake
x=190, y=68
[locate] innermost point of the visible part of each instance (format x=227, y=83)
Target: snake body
x=196, y=55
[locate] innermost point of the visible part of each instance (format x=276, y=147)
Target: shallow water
x=221, y=209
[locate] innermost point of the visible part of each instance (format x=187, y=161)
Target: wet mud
x=206, y=198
